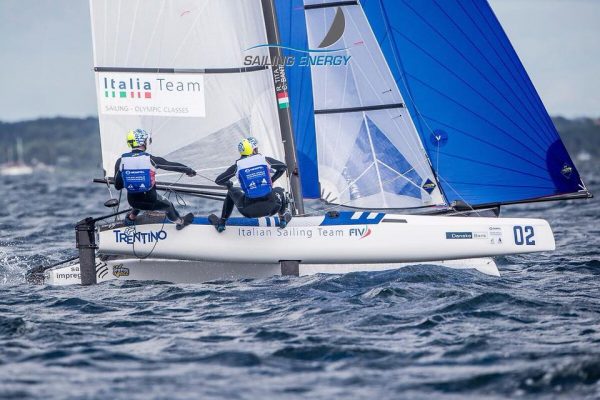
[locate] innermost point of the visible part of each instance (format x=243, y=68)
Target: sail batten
x=359, y=109
x=182, y=70
x=330, y=4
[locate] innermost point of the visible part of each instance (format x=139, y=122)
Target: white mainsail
x=175, y=68
x=369, y=152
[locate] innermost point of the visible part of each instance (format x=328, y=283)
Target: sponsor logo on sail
x=429, y=186
x=309, y=56
x=180, y=95
x=567, y=171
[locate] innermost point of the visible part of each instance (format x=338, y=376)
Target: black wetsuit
x=273, y=203
x=151, y=200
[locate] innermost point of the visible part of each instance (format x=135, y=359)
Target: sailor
x=135, y=171
x=256, y=197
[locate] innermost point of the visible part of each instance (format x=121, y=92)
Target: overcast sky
x=46, y=55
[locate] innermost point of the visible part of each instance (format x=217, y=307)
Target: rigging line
x=418, y=155
x=527, y=105
x=402, y=73
x=197, y=170
x=337, y=154
x=466, y=59
x=374, y=158
x=351, y=200
x=480, y=117
x=403, y=175
x=119, y=205
x=529, y=88
x=499, y=110
x=370, y=54
x=349, y=184
x=398, y=128
x=491, y=144
x=457, y=194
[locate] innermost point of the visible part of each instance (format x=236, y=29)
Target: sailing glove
x=191, y=172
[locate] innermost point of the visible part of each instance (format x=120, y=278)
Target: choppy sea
x=415, y=333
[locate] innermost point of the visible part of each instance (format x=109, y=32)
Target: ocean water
x=415, y=333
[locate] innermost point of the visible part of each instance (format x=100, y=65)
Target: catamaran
x=413, y=122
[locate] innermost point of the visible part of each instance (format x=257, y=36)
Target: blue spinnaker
x=484, y=127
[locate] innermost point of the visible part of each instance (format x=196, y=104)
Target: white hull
x=198, y=271
x=350, y=238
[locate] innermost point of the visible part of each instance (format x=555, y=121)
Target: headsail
x=175, y=68
x=368, y=154
x=487, y=133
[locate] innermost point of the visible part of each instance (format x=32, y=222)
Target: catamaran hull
x=202, y=271
x=346, y=238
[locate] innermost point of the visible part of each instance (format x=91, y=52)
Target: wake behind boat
x=429, y=109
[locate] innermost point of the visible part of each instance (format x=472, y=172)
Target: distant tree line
x=71, y=141
x=76, y=142
x=581, y=134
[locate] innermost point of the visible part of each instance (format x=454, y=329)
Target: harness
x=138, y=172
x=253, y=174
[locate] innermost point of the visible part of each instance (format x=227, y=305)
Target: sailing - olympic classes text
x=147, y=109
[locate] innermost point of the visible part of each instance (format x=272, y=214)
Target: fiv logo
x=361, y=233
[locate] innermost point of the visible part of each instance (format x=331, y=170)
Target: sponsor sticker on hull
x=308, y=233
x=459, y=235
x=120, y=271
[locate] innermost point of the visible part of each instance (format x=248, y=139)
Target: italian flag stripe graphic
x=283, y=100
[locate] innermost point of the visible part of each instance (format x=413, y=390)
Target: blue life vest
x=254, y=176
x=138, y=172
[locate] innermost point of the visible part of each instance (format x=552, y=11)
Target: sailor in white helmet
x=256, y=197
x=135, y=171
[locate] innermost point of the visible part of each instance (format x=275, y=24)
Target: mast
x=281, y=87
x=20, y=158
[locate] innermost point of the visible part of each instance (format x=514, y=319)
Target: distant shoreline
x=75, y=142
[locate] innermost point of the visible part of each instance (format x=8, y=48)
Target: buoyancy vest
x=253, y=174
x=138, y=172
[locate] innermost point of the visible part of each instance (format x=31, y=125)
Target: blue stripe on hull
x=344, y=218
